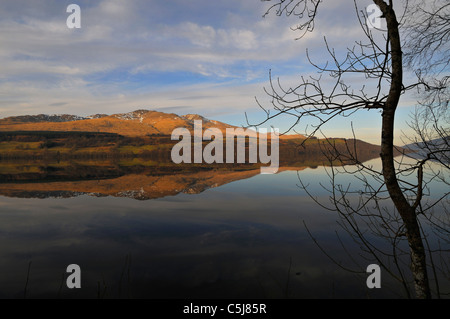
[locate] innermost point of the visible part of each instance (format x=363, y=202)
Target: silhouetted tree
x=414, y=38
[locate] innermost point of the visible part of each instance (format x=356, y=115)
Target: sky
x=198, y=56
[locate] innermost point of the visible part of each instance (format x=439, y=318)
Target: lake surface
x=210, y=235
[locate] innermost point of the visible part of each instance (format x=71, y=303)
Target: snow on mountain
x=135, y=115
x=45, y=118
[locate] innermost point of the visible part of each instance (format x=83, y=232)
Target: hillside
x=141, y=134
x=133, y=124
x=437, y=149
x=136, y=123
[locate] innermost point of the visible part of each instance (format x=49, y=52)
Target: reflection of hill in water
x=138, y=178
x=137, y=181
x=137, y=186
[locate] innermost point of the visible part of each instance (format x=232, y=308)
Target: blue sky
x=196, y=56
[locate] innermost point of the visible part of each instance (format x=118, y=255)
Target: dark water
x=247, y=238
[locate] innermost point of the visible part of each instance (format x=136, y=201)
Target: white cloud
x=204, y=36
x=119, y=59
x=240, y=39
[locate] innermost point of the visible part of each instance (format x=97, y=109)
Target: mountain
x=435, y=144
x=437, y=149
x=136, y=123
x=42, y=118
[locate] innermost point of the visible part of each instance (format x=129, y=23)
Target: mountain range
x=136, y=123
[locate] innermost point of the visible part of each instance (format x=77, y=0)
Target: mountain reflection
x=137, y=186
x=137, y=178
x=137, y=182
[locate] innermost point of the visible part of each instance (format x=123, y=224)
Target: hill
x=136, y=123
x=142, y=133
x=437, y=149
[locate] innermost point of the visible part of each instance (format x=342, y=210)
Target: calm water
x=243, y=239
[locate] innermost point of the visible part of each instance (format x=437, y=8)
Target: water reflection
x=244, y=239
x=138, y=179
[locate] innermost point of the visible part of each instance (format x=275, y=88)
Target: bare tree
x=379, y=59
x=427, y=52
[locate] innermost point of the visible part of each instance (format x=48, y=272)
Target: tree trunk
x=406, y=211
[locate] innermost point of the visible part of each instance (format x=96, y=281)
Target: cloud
x=210, y=56
x=116, y=35
x=204, y=36
x=58, y=104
